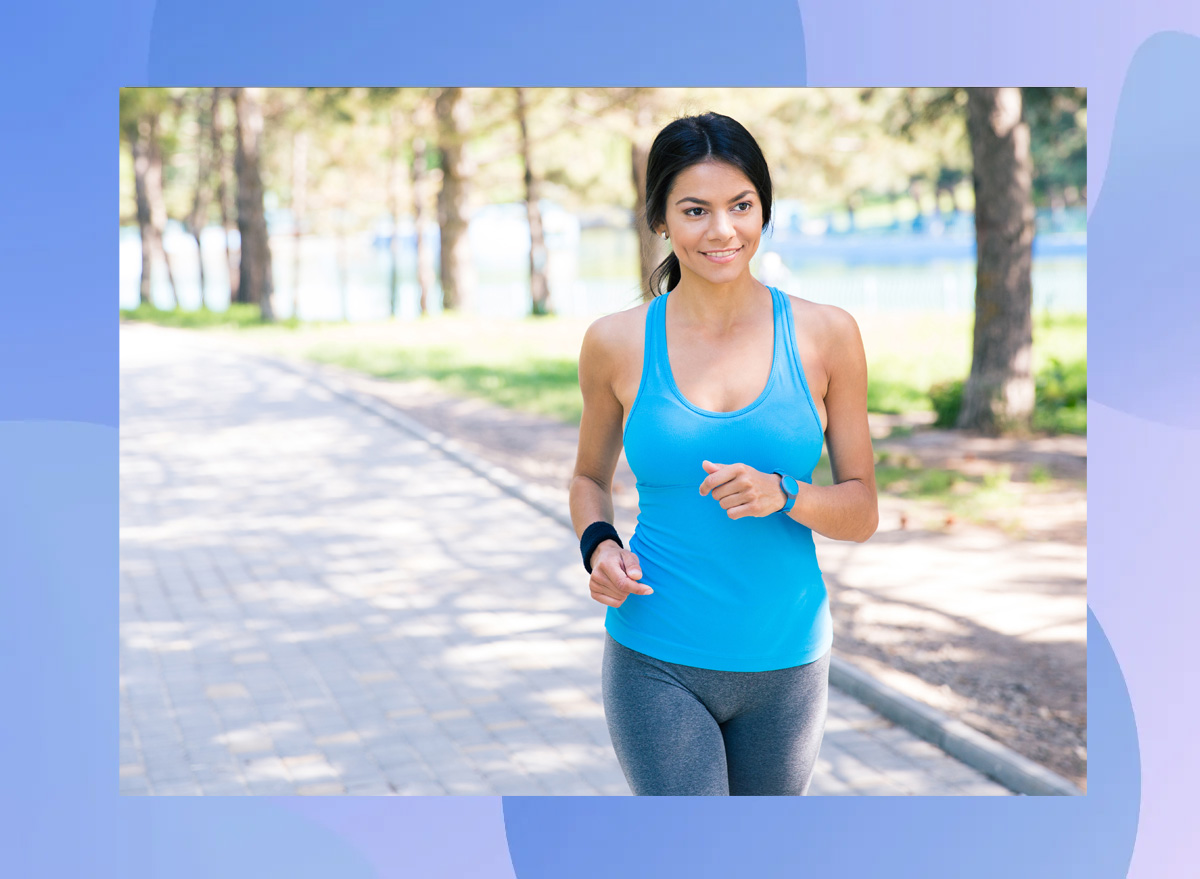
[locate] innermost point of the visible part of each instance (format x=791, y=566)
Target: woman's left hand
x=741, y=490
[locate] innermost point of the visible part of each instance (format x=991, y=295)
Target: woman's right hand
x=615, y=572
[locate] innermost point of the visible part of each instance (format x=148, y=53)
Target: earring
x=664, y=235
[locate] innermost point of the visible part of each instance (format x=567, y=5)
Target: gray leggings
x=685, y=731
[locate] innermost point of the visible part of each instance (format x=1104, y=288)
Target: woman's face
x=714, y=218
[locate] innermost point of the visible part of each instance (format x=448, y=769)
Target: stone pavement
x=313, y=601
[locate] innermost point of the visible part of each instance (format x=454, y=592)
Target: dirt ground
x=1029, y=694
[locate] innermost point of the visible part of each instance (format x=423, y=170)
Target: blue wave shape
x=1145, y=291
x=981, y=837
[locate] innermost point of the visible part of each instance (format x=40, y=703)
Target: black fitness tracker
x=790, y=488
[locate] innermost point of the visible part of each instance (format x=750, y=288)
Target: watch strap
x=790, y=496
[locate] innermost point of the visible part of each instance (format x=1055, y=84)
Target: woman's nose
x=721, y=227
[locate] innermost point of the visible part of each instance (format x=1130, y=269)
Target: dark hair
x=689, y=141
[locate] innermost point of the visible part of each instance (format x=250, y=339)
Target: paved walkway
x=314, y=601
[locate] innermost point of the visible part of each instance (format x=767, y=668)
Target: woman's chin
x=721, y=274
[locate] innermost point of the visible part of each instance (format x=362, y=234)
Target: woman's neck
x=717, y=308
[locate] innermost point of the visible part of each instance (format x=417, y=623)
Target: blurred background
x=289, y=206
x=460, y=241
x=874, y=198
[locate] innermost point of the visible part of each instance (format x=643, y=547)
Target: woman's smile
x=722, y=256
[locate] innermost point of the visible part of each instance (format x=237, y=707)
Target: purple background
x=64, y=62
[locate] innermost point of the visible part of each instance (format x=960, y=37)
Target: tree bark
x=343, y=265
x=394, y=205
x=255, y=282
x=539, y=286
x=458, y=271
x=426, y=277
x=151, y=205
x=198, y=216
x=299, y=207
x=141, y=165
x=223, y=189
x=648, y=247
x=999, y=393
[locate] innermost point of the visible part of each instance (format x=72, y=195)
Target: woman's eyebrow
x=737, y=197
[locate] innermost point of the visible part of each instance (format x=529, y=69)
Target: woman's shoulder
x=828, y=322
x=829, y=331
x=613, y=342
x=617, y=332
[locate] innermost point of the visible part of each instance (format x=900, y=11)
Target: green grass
x=970, y=497
x=910, y=355
x=238, y=315
x=531, y=364
x=902, y=476
x=546, y=386
x=1039, y=475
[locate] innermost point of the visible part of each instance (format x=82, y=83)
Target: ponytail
x=668, y=271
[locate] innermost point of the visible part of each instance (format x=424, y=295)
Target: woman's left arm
x=848, y=509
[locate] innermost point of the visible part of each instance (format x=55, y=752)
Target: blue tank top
x=729, y=595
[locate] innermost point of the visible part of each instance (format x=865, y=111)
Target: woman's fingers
x=616, y=578
x=607, y=593
x=630, y=574
x=601, y=597
x=747, y=495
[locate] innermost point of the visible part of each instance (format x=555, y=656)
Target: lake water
x=594, y=271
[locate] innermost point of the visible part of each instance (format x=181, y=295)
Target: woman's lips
x=721, y=256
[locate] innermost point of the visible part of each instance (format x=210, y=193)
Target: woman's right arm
x=615, y=570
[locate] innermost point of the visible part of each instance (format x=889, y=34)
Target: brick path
x=316, y=602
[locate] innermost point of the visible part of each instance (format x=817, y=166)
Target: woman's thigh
x=667, y=742
x=771, y=744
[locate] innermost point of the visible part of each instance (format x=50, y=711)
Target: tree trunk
x=648, y=247
x=420, y=184
x=458, y=272
x=394, y=206
x=299, y=206
x=141, y=165
x=158, y=208
x=999, y=393
x=198, y=216
x=539, y=286
x=152, y=205
x=426, y=277
x=255, y=283
x=223, y=188
x=343, y=271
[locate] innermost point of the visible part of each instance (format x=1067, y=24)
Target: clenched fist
x=615, y=575
x=742, y=490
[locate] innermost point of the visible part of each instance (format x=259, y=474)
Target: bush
x=1062, y=385
x=1060, y=401
x=947, y=402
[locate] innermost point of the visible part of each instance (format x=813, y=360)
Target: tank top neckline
x=669, y=375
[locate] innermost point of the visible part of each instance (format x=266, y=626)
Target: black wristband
x=594, y=535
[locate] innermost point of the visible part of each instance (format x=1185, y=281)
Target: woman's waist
x=752, y=550
x=680, y=514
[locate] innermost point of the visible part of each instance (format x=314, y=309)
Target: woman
x=721, y=389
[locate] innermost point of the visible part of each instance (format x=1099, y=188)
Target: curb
x=999, y=762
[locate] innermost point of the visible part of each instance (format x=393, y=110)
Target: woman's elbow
x=872, y=524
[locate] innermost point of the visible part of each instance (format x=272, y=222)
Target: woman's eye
x=688, y=212
x=745, y=206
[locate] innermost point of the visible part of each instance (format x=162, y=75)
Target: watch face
x=790, y=486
